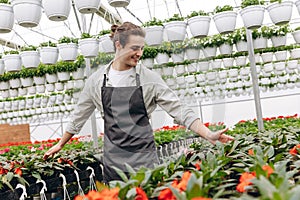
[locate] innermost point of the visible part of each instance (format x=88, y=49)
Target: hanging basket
x=32, y=16
x=87, y=6
x=241, y=46
x=118, y=3
x=106, y=44
x=12, y=62
x=278, y=41
x=199, y=26
x=57, y=10
x=89, y=47
x=176, y=31
x=280, y=13
x=225, y=21
x=253, y=16
x=30, y=59
x=7, y=18
x=2, y=67
x=154, y=35
x=296, y=36
x=49, y=55
x=68, y=51
x=260, y=43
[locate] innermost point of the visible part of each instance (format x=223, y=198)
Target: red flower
x=268, y=169
x=140, y=194
x=166, y=194
x=18, y=171
x=294, y=150
x=251, y=152
x=245, y=180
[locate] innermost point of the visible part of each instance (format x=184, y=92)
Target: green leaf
x=120, y=173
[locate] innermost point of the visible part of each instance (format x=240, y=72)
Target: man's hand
x=53, y=150
x=219, y=135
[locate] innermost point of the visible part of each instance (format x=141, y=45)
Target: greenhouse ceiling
x=138, y=11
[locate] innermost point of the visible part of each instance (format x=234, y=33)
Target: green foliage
x=197, y=13
x=273, y=1
x=48, y=44
x=11, y=52
x=219, y=9
x=63, y=66
x=153, y=22
x=104, y=32
x=246, y=3
x=85, y=35
x=66, y=39
x=5, y=1
x=175, y=17
x=27, y=73
x=40, y=70
x=102, y=59
x=80, y=62
x=149, y=52
x=29, y=48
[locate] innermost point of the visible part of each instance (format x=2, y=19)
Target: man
x=126, y=94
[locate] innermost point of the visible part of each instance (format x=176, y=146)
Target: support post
x=254, y=80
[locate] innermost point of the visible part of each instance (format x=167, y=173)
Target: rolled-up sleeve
x=82, y=110
x=170, y=102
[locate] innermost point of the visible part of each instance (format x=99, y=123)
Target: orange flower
x=268, y=169
x=184, y=181
x=166, y=194
x=201, y=198
x=106, y=194
x=246, y=177
x=241, y=186
x=18, y=171
x=294, y=150
x=140, y=194
x=251, y=152
x=197, y=165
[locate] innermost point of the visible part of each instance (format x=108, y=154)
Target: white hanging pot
x=59, y=86
x=4, y=85
x=51, y=78
x=210, y=52
x=191, y=68
x=260, y=43
x=177, y=57
x=118, y=3
x=228, y=62
x=279, y=66
x=57, y=10
x=192, y=53
x=203, y=66
x=278, y=41
x=167, y=71
x=241, y=46
x=50, y=87
x=296, y=36
x=148, y=62
x=78, y=74
x=253, y=16
x=26, y=82
x=87, y=6
x=2, y=67
x=154, y=35
x=180, y=69
x=176, y=30
x=30, y=59
x=225, y=49
x=68, y=51
x=162, y=58
x=245, y=71
x=199, y=26
x=40, y=89
x=267, y=57
x=225, y=21
x=89, y=47
x=63, y=76
x=280, y=13
x=15, y=83
x=295, y=53
x=7, y=18
x=49, y=55
x=216, y=64
x=31, y=90
x=79, y=84
x=106, y=44
x=268, y=67
x=69, y=85
x=292, y=64
x=12, y=62
x=39, y=80
x=22, y=91
x=32, y=16
x=241, y=60
x=280, y=55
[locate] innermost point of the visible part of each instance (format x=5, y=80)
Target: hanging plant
x=197, y=13
x=102, y=58
x=239, y=35
x=11, y=52
x=80, y=62
x=5, y=1
x=279, y=30
x=26, y=73
x=48, y=44
x=104, y=32
x=149, y=52
x=176, y=17
x=219, y=9
x=246, y=3
x=29, y=48
x=153, y=22
x=193, y=43
x=66, y=39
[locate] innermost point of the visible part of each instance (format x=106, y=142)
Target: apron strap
x=138, y=82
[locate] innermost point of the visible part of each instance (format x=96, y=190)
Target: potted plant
x=48, y=52
x=260, y=37
x=192, y=48
x=252, y=13
x=163, y=54
x=32, y=16
x=7, y=16
x=279, y=35
x=280, y=11
x=68, y=48
x=225, y=18
x=12, y=61
x=239, y=38
x=57, y=10
x=209, y=46
x=51, y=73
x=148, y=56
x=86, y=7
x=80, y=68
x=30, y=56
x=296, y=34
x=199, y=23
x=26, y=77
x=4, y=84
x=88, y=45
x=118, y=3
x=105, y=41
x=64, y=70
x=39, y=75
x=154, y=32
x=175, y=28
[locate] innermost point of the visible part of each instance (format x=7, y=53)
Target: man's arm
x=56, y=148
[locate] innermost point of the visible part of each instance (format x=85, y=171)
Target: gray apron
x=128, y=135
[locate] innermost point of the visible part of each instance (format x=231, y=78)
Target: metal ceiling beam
x=108, y=15
x=9, y=44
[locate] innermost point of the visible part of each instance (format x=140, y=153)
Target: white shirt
x=119, y=78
